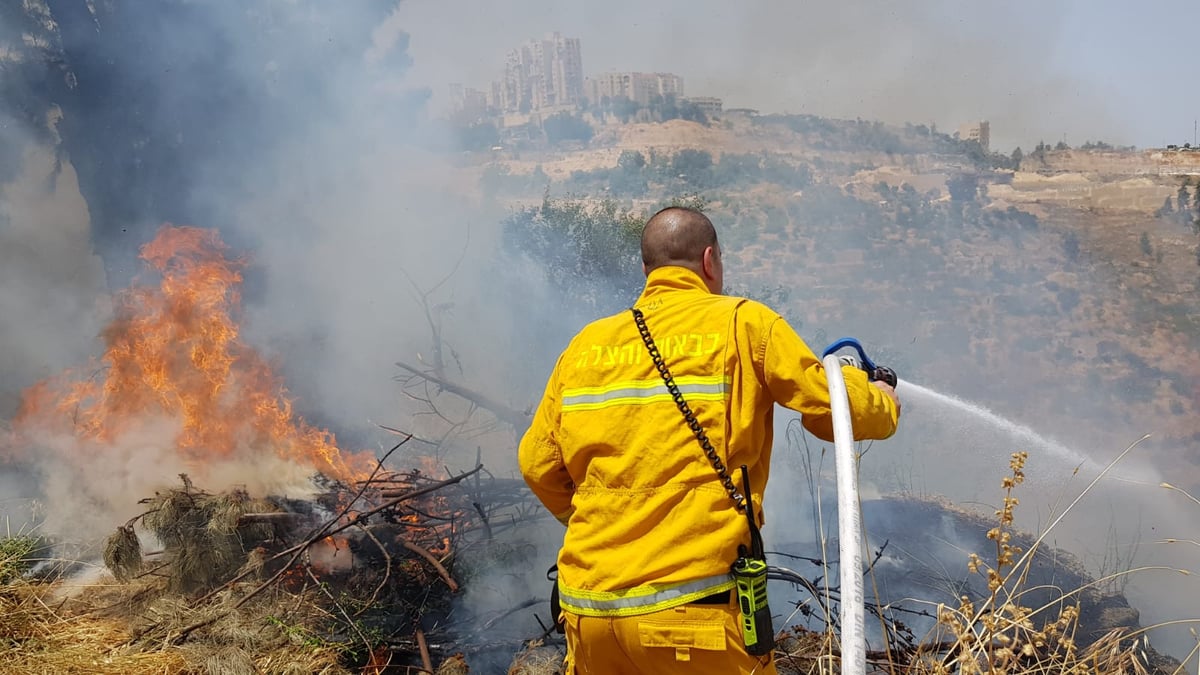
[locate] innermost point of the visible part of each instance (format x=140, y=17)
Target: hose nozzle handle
x=874, y=372
x=884, y=374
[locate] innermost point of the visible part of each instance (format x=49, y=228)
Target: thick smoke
x=52, y=293
x=291, y=129
x=303, y=133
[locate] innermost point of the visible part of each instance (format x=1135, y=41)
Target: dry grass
x=203, y=541
x=146, y=626
x=138, y=628
x=38, y=638
x=537, y=659
x=145, y=623
x=1004, y=632
x=123, y=554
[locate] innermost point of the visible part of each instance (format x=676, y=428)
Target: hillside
x=1054, y=294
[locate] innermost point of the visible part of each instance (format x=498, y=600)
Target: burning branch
x=329, y=530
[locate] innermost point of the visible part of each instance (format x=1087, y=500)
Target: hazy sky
x=1120, y=72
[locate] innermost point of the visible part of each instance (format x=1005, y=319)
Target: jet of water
x=1019, y=431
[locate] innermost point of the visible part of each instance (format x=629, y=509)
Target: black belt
x=721, y=598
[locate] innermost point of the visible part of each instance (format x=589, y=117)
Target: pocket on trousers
x=678, y=634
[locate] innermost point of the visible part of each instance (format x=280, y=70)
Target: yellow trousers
x=693, y=639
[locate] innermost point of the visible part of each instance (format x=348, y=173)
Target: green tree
x=588, y=252
x=624, y=108
x=1144, y=243
x=565, y=126
x=477, y=137
x=737, y=170
x=1166, y=209
x=631, y=161
x=779, y=171
x=691, y=112
x=1071, y=247
x=1068, y=299
x=1183, y=199
x=1017, y=156
x=1196, y=204
x=629, y=176
x=963, y=187
x=693, y=167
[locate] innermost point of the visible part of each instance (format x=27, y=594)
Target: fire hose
x=852, y=610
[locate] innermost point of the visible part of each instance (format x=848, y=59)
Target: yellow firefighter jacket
x=649, y=526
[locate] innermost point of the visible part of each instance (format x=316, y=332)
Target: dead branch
x=275, y=516
x=425, y=660
x=433, y=313
x=387, y=570
x=487, y=625
x=299, y=549
x=432, y=561
x=349, y=621
x=325, y=531
x=400, y=432
x=518, y=419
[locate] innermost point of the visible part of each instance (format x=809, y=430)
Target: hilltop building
x=540, y=74
x=638, y=87
x=709, y=105
x=977, y=131
x=468, y=105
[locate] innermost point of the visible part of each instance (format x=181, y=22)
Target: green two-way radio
x=750, y=579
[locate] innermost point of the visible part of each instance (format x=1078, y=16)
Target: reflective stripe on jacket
x=648, y=524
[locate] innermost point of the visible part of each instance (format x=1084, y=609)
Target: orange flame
x=174, y=351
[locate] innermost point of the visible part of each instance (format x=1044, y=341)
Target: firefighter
x=652, y=530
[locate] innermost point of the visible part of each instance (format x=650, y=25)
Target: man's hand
x=890, y=391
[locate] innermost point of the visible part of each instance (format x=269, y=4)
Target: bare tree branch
x=518, y=419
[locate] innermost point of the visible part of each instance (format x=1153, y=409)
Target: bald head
x=682, y=237
x=677, y=236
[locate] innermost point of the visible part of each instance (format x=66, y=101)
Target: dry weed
x=1001, y=633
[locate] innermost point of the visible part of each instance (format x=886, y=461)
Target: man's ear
x=645, y=272
x=707, y=263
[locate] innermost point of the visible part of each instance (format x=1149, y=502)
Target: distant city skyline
x=545, y=76
x=547, y=73
x=1070, y=70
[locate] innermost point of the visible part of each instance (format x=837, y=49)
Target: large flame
x=173, y=352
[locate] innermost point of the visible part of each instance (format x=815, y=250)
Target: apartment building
x=540, y=74
x=976, y=131
x=638, y=87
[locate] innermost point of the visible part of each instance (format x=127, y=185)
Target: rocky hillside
x=1062, y=293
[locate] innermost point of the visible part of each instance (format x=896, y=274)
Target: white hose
x=854, y=641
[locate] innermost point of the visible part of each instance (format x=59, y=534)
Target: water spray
x=1012, y=428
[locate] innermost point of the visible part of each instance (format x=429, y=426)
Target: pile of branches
x=364, y=575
